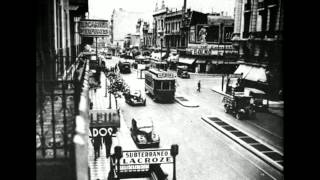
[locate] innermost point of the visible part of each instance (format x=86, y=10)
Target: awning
x=244, y=69
x=201, y=61
x=185, y=60
x=257, y=74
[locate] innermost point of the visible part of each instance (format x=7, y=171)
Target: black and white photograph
x=159, y=90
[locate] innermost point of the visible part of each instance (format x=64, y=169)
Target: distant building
x=124, y=22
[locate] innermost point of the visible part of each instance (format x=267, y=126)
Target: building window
x=162, y=24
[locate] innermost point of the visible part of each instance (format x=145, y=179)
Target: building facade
x=58, y=45
x=208, y=43
x=159, y=25
x=258, y=36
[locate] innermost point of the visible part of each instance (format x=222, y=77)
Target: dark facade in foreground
x=258, y=37
x=57, y=94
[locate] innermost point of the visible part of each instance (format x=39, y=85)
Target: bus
x=160, y=85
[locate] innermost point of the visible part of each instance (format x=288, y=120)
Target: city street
x=204, y=152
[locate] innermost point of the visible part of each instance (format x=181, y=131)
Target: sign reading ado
x=93, y=28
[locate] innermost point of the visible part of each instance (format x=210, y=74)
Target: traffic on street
x=159, y=90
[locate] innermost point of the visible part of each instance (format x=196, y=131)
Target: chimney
x=184, y=5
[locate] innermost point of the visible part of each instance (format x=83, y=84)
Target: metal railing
x=58, y=100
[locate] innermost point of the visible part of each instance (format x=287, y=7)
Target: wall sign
x=93, y=28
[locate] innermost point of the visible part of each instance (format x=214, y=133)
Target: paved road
x=204, y=153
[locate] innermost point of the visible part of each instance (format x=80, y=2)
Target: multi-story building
x=57, y=96
x=208, y=44
x=147, y=35
x=258, y=36
x=159, y=25
x=173, y=21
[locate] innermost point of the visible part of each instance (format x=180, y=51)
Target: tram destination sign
x=93, y=28
x=165, y=75
x=159, y=156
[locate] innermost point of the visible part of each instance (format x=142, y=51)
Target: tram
x=160, y=85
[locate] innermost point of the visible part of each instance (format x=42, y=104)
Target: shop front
x=201, y=66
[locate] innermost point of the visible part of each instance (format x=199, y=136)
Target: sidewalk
x=100, y=168
x=275, y=107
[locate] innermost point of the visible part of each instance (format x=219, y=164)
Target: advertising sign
x=145, y=157
x=93, y=28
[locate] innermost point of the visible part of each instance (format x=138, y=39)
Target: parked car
x=135, y=97
x=240, y=106
x=142, y=133
x=260, y=101
x=182, y=71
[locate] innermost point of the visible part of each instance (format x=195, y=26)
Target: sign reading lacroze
x=159, y=156
x=93, y=28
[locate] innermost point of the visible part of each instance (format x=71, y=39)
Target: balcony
x=57, y=106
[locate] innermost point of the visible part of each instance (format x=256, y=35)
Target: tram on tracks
x=160, y=85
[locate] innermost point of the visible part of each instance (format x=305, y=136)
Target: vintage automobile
x=240, y=106
x=182, y=71
x=260, y=101
x=135, y=97
x=142, y=133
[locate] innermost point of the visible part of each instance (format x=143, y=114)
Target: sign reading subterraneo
x=159, y=156
x=93, y=28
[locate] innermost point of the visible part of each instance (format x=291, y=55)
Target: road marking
x=209, y=127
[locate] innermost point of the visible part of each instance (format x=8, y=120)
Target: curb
x=247, y=146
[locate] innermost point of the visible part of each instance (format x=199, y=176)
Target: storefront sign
x=93, y=28
x=210, y=49
x=159, y=156
x=102, y=131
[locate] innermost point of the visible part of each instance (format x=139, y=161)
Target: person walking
x=199, y=86
x=96, y=146
x=107, y=142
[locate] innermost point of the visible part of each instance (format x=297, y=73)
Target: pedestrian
x=96, y=146
x=199, y=86
x=107, y=142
